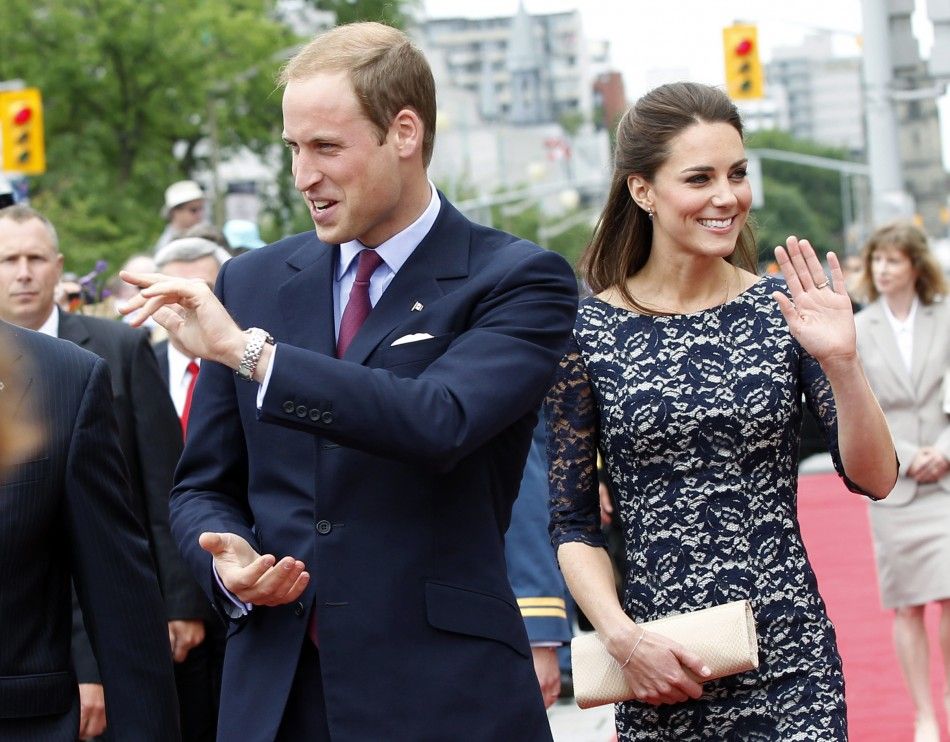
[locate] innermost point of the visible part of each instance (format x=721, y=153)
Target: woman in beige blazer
x=904, y=343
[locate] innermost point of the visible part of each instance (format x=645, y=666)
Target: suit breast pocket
x=411, y=359
x=35, y=470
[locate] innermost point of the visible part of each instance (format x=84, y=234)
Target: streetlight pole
x=889, y=198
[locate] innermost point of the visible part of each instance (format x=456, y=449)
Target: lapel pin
x=417, y=307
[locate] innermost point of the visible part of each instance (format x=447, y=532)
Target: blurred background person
x=208, y=231
x=184, y=207
x=149, y=433
x=242, y=235
x=532, y=570
x=199, y=677
x=904, y=342
x=65, y=517
x=188, y=257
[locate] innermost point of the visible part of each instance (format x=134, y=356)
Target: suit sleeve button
x=301, y=411
x=289, y=407
x=315, y=415
x=327, y=417
x=324, y=527
x=298, y=609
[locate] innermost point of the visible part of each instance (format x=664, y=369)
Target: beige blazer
x=912, y=402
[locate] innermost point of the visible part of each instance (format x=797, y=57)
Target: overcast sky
x=687, y=34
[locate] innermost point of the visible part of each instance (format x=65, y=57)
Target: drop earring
x=650, y=214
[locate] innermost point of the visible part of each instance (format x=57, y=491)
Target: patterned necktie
x=186, y=409
x=358, y=305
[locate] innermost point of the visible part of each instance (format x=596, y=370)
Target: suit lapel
x=442, y=254
x=886, y=343
x=306, y=298
x=73, y=329
x=924, y=328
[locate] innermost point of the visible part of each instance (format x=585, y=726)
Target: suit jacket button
x=315, y=415
x=327, y=417
x=324, y=527
x=298, y=609
x=289, y=407
x=301, y=411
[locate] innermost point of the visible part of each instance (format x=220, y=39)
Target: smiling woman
x=686, y=374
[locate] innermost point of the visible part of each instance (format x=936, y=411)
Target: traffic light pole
x=889, y=198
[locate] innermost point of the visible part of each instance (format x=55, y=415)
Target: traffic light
x=21, y=117
x=740, y=44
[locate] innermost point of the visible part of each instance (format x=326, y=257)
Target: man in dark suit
x=378, y=451
x=199, y=677
x=65, y=514
x=149, y=435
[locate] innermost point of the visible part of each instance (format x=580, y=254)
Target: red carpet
x=835, y=528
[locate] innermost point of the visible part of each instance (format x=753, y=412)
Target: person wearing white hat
x=184, y=207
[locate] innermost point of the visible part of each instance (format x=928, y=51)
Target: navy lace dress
x=698, y=420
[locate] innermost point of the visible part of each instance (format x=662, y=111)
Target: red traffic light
x=744, y=47
x=23, y=115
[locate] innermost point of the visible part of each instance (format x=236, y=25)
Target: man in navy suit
x=65, y=514
x=344, y=492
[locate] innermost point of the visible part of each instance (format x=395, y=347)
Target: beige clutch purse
x=724, y=636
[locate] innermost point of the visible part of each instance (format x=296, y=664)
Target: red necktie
x=186, y=409
x=358, y=305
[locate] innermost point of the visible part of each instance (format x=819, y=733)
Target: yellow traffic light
x=744, y=79
x=21, y=119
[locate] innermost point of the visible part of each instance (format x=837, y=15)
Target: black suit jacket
x=150, y=437
x=66, y=513
x=160, y=349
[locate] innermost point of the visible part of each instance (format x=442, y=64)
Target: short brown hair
x=387, y=71
x=912, y=242
x=21, y=213
x=622, y=240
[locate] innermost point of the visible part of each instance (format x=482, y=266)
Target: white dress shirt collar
x=51, y=326
x=396, y=250
x=903, y=331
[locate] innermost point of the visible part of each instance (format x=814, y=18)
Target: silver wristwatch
x=256, y=340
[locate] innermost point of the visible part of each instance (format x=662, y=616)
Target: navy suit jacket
x=391, y=473
x=65, y=514
x=150, y=438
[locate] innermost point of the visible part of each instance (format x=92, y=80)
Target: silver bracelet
x=635, y=645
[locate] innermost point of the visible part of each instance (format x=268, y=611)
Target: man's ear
x=407, y=131
x=641, y=191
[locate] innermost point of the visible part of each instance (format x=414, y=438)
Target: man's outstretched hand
x=190, y=312
x=252, y=577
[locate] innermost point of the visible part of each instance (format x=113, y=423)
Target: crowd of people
x=333, y=525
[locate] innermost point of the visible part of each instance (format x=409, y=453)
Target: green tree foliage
x=390, y=12
x=800, y=200
x=128, y=87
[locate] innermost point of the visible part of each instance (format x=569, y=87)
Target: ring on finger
x=823, y=284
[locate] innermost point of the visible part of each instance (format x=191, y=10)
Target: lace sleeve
x=572, y=454
x=821, y=402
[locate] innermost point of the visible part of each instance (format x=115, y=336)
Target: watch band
x=256, y=340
